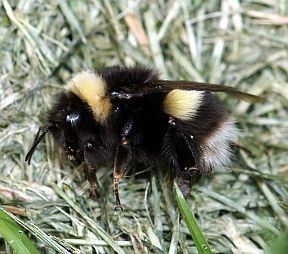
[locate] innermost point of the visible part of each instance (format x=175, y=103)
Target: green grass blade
x=14, y=235
x=279, y=246
x=50, y=241
x=191, y=223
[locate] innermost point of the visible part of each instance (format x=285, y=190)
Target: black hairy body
x=132, y=116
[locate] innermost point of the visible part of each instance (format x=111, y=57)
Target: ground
x=240, y=209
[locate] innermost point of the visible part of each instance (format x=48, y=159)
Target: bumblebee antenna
x=37, y=140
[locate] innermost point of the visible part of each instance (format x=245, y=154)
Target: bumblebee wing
x=165, y=86
x=188, y=85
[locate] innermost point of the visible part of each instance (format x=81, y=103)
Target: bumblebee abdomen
x=197, y=111
x=216, y=148
x=199, y=115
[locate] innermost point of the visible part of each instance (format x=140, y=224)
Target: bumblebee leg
x=181, y=157
x=91, y=177
x=91, y=165
x=122, y=159
x=185, y=179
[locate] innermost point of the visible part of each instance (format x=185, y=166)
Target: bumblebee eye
x=73, y=118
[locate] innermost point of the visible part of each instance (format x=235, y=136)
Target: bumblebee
x=128, y=114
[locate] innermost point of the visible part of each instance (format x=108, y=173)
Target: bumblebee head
x=71, y=116
x=64, y=121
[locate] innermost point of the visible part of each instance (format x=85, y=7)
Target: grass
x=240, y=209
x=15, y=236
x=191, y=223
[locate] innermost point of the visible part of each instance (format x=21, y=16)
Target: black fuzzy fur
x=152, y=136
